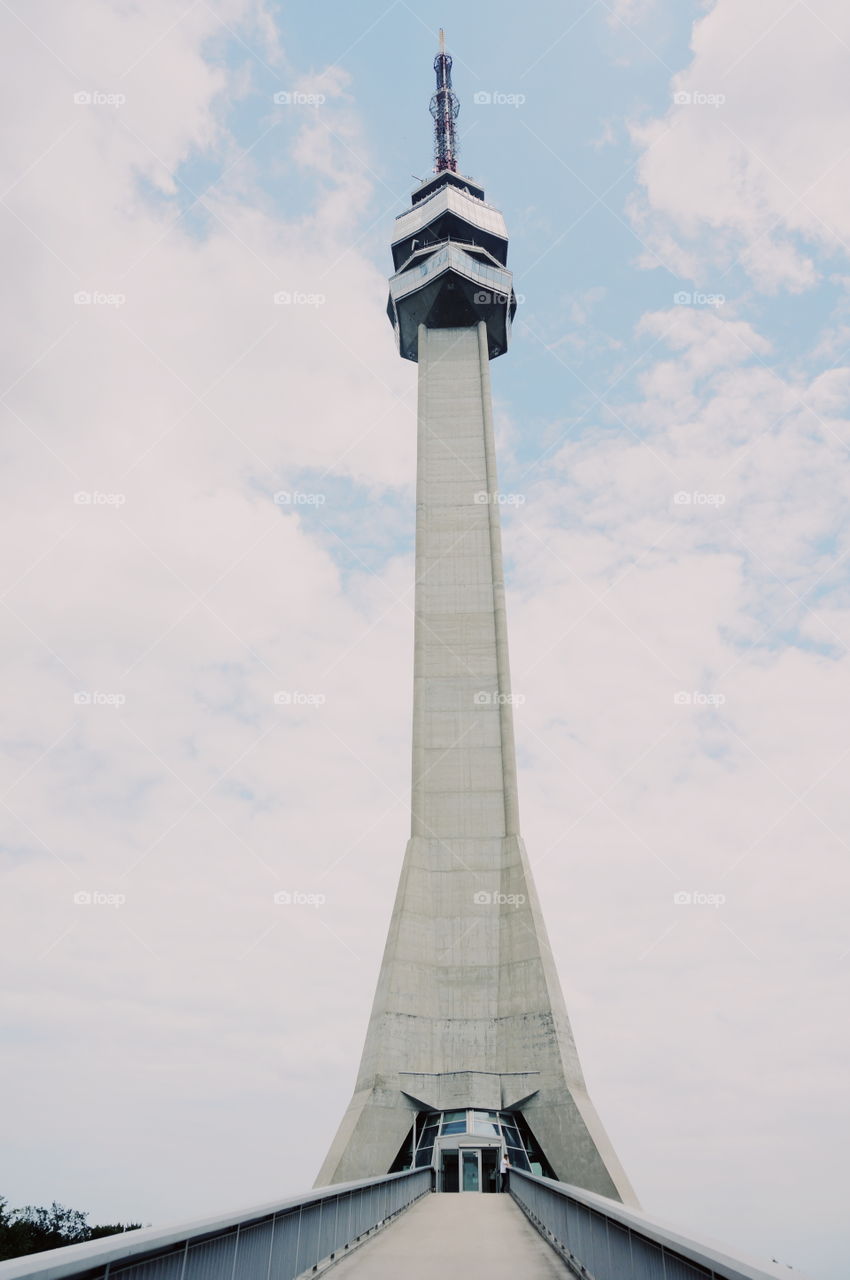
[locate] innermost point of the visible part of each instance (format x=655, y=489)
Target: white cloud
x=202, y=1027
x=195, y=600
x=622, y=599
x=752, y=152
x=630, y=11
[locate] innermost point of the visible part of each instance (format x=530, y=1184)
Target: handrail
x=605, y=1240
x=296, y=1234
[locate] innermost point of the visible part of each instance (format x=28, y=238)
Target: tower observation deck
x=469, y=1052
x=450, y=249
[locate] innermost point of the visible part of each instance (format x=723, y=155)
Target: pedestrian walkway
x=455, y=1237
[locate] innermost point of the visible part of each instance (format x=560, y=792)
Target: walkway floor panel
x=476, y=1237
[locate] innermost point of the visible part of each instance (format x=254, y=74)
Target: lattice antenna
x=444, y=108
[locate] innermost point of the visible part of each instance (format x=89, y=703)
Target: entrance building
x=465, y=1148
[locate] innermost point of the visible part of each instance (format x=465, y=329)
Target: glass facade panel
x=467, y=207
x=470, y=1171
x=454, y=256
x=486, y=1128
x=523, y=1150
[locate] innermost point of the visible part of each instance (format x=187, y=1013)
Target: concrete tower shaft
x=468, y=1017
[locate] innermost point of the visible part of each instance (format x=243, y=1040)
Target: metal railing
x=601, y=1239
x=270, y=1242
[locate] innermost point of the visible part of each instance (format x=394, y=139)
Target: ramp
x=479, y=1237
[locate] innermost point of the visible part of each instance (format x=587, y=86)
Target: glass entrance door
x=449, y=1179
x=490, y=1169
x=471, y=1170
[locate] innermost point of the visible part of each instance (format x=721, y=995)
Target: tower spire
x=444, y=108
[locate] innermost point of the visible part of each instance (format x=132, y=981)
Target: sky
x=207, y=571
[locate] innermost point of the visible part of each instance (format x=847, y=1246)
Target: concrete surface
x=468, y=983
x=455, y=1237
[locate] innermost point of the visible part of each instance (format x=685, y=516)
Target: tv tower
x=469, y=1051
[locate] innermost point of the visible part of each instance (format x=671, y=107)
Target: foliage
x=33, y=1228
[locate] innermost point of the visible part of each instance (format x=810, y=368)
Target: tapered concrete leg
x=468, y=1009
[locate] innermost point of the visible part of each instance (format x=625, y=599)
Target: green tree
x=33, y=1228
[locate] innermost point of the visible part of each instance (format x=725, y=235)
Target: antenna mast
x=444, y=108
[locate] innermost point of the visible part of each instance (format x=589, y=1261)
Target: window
x=487, y=1128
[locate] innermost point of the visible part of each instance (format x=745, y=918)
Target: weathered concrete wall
x=467, y=981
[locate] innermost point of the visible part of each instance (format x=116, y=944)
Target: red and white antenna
x=444, y=108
